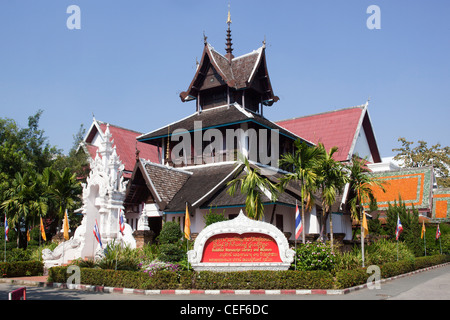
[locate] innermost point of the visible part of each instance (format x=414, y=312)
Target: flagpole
x=6, y=222
x=295, y=237
x=5, y=239
x=425, y=243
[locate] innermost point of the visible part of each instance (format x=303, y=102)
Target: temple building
x=188, y=163
x=197, y=155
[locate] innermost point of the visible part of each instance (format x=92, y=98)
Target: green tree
x=302, y=166
x=361, y=184
x=64, y=192
x=25, y=200
x=77, y=159
x=252, y=183
x=331, y=179
x=411, y=226
x=422, y=155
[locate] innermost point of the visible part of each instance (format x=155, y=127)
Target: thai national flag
x=121, y=222
x=438, y=232
x=399, y=228
x=6, y=229
x=97, y=234
x=298, y=223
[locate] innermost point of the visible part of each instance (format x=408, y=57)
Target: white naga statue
x=103, y=196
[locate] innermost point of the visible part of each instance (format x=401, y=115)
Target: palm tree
x=361, y=184
x=26, y=199
x=252, y=184
x=332, y=179
x=301, y=164
x=64, y=190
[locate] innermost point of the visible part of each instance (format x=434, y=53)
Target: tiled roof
x=125, y=143
x=216, y=117
x=167, y=181
x=336, y=128
x=413, y=185
x=441, y=203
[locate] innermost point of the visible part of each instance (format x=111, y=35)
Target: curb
x=102, y=289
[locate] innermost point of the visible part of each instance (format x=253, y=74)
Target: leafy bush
x=314, y=256
x=21, y=269
x=245, y=280
x=213, y=217
x=170, y=233
x=384, y=251
x=155, y=266
x=171, y=252
x=117, y=257
x=351, y=278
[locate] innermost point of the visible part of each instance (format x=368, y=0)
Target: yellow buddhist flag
x=28, y=235
x=187, y=225
x=43, y=231
x=66, y=226
x=365, y=227
x=423, y=230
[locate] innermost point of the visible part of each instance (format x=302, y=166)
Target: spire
x=229, y=49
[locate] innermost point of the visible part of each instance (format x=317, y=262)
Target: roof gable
x=339, y=128
x=239, y=73
x=124, y=141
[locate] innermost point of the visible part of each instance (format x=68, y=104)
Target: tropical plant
x=64, y=190
x=315, y=256
x=253, y=184
x=26, y=199
x=411, y=226
x=361, y=184
x=332, y=179
x=302, y=166
x=213, y=217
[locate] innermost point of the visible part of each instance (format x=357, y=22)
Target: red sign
x=18, y=294
x=241, y=248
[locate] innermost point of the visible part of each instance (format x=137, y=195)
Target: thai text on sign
x=248, y=247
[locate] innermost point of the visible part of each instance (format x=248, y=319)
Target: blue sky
x=131, y=59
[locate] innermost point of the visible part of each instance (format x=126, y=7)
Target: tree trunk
x=303, y=222
x=323, y=226
x=331, y=233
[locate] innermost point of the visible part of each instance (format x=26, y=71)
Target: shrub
x=314, y=256
x=351, y=278
x=213, y=217
x=383, y=251
x=21, y=268
x=156, y=266
x=170, y=233
x=245, y=280
x=171, y=252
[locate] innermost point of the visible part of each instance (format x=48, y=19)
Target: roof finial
x=229, y=49
x=367, y=102
x=205, y=38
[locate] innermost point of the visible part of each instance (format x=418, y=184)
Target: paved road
x=433, y=285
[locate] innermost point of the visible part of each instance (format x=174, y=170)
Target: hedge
x=199, y=280
x=350, y=278
x=21, y=269
x=242, y=280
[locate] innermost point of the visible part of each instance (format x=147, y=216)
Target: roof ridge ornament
x=229, y=49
